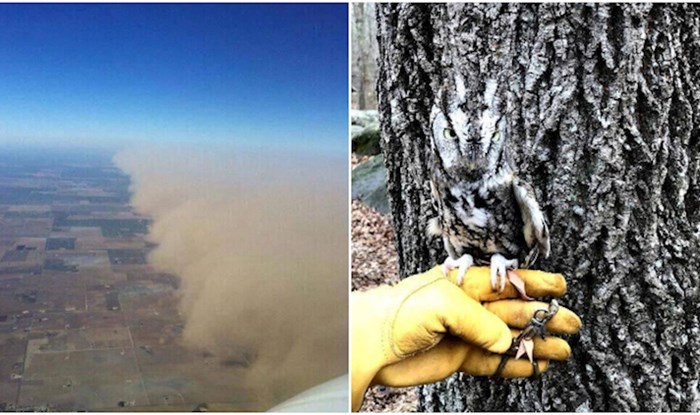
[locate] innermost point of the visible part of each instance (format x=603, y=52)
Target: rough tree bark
x=604, y=121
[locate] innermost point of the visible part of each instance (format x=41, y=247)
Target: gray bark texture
x=604, y=121
x=364, y=56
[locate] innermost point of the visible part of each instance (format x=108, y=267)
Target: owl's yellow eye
x=449, y=133
x=496, y=136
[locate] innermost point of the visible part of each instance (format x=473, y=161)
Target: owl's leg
x=463, y=263
x=499, y=265
x=531, y=257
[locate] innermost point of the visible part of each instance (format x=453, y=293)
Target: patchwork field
x=85, y=322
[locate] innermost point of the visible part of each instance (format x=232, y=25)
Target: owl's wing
x=435, y=225
x=535, y=227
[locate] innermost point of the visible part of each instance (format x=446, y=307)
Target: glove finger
x=542, y=284
x=467, y=319
x=477, y=284
x=551, y=348
x=483, y=363
x=449, y=356
x=518, y=313
x=517, y=368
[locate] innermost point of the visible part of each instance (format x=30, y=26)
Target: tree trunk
x=604, y=121
x=364, y=56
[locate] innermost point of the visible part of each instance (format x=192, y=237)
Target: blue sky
x=107, y=75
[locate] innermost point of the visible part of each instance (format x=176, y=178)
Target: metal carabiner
x=535, y=327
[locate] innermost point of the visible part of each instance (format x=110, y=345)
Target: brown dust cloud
x=259, y=240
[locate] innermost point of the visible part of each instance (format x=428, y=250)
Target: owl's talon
x=499, y=265
x=531, y=257
x=463, y=264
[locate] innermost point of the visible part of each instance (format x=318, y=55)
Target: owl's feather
x=483, y=208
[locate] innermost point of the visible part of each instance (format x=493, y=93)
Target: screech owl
x=485, y=212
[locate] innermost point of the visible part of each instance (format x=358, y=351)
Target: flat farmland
x=86, y=324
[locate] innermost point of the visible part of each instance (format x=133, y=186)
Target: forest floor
x=375, y=262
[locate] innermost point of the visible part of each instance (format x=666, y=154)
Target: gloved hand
x=426, y=327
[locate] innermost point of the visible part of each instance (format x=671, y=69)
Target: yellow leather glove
x=426, y=328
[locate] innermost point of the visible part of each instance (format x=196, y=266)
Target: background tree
x=604, y=122
x=364, y=56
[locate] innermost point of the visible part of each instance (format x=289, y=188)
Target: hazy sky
x=107, y=75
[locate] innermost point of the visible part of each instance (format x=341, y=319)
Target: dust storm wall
x=259, y=241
